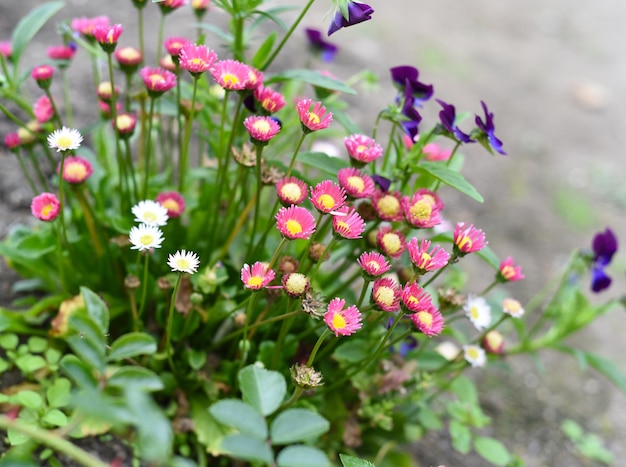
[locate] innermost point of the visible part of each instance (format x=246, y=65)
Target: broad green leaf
x=397, y=459
x=264, y=50
x=87, y=342
x=59, y=393
x=16, y=437
x=37, y=344
x=29, y=399
x=136, y=377
x=461, y=436
x=154, y=429
x=324, y=162
x=572, y=430
x=465, y=390
x=30, y=363
x=492, y=450
x=248, y=448
x=241, y=416
x=262, y=389
x=132, y=344
x=314, y=78
x=351, y=351
x=451, y=178
x=73, y=367
x=207, y=429
x=97, y=309
x=55, y=417
x=351, y=461
x=489, y=257
x=608, y=369
x=429, y=419
x=302, y=456
x=295, y=425
x=9, y=341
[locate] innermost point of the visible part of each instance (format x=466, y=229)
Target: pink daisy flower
x=509, y=272
x=173, y=202
x=291, y=190
x=125, y=124
x=347, y=223
x=255, y=78
x=42, y=74
x=196, y=59
x=391, y=242
x=422, y=259
x=157, y=80
x=105, y=108
x=6, y=49
x=167, y=6
x=200, y=5
x=108, y=36
x=420, y=210
x=231, y=74
x=43, y=109
x=105, y=91
x=362, y=149
x=86, y=26
x=388, y=206
x=386, y=294
x=468, y=239
x=356, y=184
x=257, y=276
x=342, y=322
x=76, y=170
x=261, y=129
x=373, y=264
x=432, y=152
x=271, y=101
x=167, y=63
x=415, y=298
x=61, y=52
x=327, y=196
x=45, y=207
x=429, y=321
x=313, y=120
x=129, y=58
x=12, y=140
x=174, y=45
x=295, y=222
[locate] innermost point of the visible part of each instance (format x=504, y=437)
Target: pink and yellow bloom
x=386, y=294
x=173, y=202
x=87, y=26
x=43, y=75
x=129, y=58
x=174, y=45
x=105, y=91
x=512, y=307
x=468, y=239
x=356, y=184
x=429, y=321
x=45, y=207
x=108, y=36
x=61, y=52
x=12, y=140
x=295, y=222
x=231, y=74
x=362, y=149
x=327, y=196
x=256, y=277
x=509, y=272
x=391, y=242
x=291, y=190
x=342, y=322
x=421, y=210
x=432, y=152
x=6, y=49
x=388, y=206
x=493, y=342
x=415, y=298
x=43, y=109
x=313, y=120
x=422, y=259
x=255, y=78
x=196, y=59
x=76, y=170
x=374, y=264
x=125, y=124
x=347, y=223
x=157, y=80
x=261, y=129
x=271, y=101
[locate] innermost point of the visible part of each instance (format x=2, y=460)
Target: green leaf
x=136, y=377
x=302, y=456
x=262, y=389
x=55, y=417
x=37, y=344
x=28, y=399
x=351, y=351
x=30, y=363
x=97, y=309
x=132, y=344
x=295, y=425
x=73, y=367
x=207, y=429
x=351, y=461
x=461, y=436
x=88, y=343
x=608, y=369
x=492, y=450
x=196, y=358
x=264, y=50
x=314, y=78
x=153, y=427
x=59, y=393
x=429, y=419
x=241, y=416
x=9, y=341
x=465, y=390
x=572, y=430
x=16, y=437
x=324, y=162
x=247, y=448
x=451, y=178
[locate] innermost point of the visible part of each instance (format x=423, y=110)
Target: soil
x=553, y=75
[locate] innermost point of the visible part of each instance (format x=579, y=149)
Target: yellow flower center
x=339, y=322
x=464, y=243
x=170, y=205
x=262, y=126
x=326, y=201
x=425, y=318
x=146, y=239
x=385, y=295
x=313, y=118
x=46, y=210
x=361, y=148
x=373, y=265
x=129, y=54
x=255, y=281
x=507, y=272
x=291, y=191
x=124, y=122
x=268, y=104
x=64, y=142
x=156, y=79
x=150, y=216
x=421, y=210
x=230, y=79
x=391, y=243
x=75, y=171
x=341, y=225
x=474, y=312
x=182, y=263
x=425, y=258
x=356, y=183
x=197, y=62
x=296, y=284
x=294, y=227
x=472, y=353
x=389, y=205
x=413, y=300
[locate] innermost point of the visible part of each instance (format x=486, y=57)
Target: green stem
x=284, y=329
x=246, y=330
x=448, y=163
x=388, y=149
x=26, y=173
x=182, y=168
x=170, y=321
x=67, y=98
x=62, y=198
x=144, y=284
x=363, y=293
x=295, y=154
x=259, y=153
x=148, y=146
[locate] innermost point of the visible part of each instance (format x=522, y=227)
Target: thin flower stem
x=140, y=27
x=448, y=163
x=148, y=147
x=62, y=198
x=40, y=175
x=56, y=115
x=366, y=284
x=246, y=329
x=159, y=38
x=284, y=329
x=328, y=248
x=131, y=170
x=277, y=252
x=170, y=321
x=388, y=149
x=26, y=173
x=259, y=154
x=182, y=168
x=89, y=221
x=489, y=287
x=254, y=326
x=438, y=273
x=144, y=284
x=235, y=230
x=67, y=98
x=61, y=264
x=12, y=116
x=295, y=154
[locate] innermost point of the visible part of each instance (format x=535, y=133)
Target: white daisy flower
x=478, y=311
x=150, y=212
x=474, y=355
x=65, y=139
x=512, y=307
x=183, y=261
x=448, y=350
x=145, y=237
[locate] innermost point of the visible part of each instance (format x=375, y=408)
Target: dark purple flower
x=604, y=247
x=448, y=120
x=317, y=43
x=382, y=182
x=487, y=131
x=405, y=78
x=413, y=119
x=357, y=13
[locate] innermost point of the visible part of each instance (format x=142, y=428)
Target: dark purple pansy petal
x=407, y=345
x=447, y=116
x=604, y=247
x=357, y=13
x=317, y=42
x=400, y=74
x=414, y=118
x=599, y=279
x=382, y=182
x=488, y=129
x=405, y=78
x=250, y=103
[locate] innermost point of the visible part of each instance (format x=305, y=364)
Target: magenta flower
x=76, y=170
x=604, y=247
x=356, y=184
x=327, y=196
x=167, y=6
x=429, y=321
x=6, y=49
x=231, y=74
x=388, y=206
x=200, y=6
x=422, y=259
x=386, y=294
x=357, y=13
x=261, y=129
x=196, y=59
x=509, y=272
x=87, y=26
x=373, y=264
x=12, y=140
x=313, y=120
x=125, y=124
x=174, y=45
x=362, y=149
x=421, y=210
x=105, y=92
x=108, y=36
x=271, y=101
x=415, y=298
x=291, y=190
x=342, y=322
x=347, y=223
x=432, y=152
x=43, y=75
x=391, y=242
x=257, y=276
x=45, y=207
x=486, y=132
x=468, y=239
x=255, y=78
x=319, y=45
x=295, y=222
x=61, y=52
x=173, y=202
x=43, y=109
x=157, y=80
x=447, y=116
x=128, y=58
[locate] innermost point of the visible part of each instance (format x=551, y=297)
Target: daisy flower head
x=386, y=294
x=43, y=75
x=468, y=239
x=313, y=120
x=184, y=261
x=347, y=223
x=391, y=242
x=157, y=80
x=257, y=276
x=125, y=124
x=512, y=307
x=415, y=298
x=373, y=264
x=196, y=59
x=356, y=184
x=342, y=322
x=421, y=210
x=493, y=342
x=231, y=75
x=65, y=139
x=108, y=36
x=106, y=92
x=255, y=78
x=86, y=26
x=261, y=129
x=327, y=196
x=478, y=311
x=167, y=63
x=362, y=149
x=173, y=202
x=128, y=58
x=200, y=6
x=509, y=272
x=167, y=6
x=12, y=141
x=295, y=222
x=474, y=355
x=388, y=205
x=271, y=101
x=63, y=53
x=150, y=212
x=6, y=49
x=422, y=259
x=174, y=45
x=45, y=207
x=429, y=321
x=433, y=152
x=291, y=190
x=296, y=284
x=43, y=110
x=145, y=237
x=76, y=170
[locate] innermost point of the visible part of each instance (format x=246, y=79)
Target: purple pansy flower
x=357, y=13
x=487, y=130
x=414, y=118
x=448, y=121
x=382, y=182
x=317, y=43
x=604, y=247
x=405, y=78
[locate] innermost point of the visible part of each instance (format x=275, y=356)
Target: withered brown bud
x=306, y=377
x=239, y=319
x=245, y=157
x=288, y=264
x=163, y=283
x=313, y=305
x=121, y=241
x=185, y=107
x=132, y=282
x=271, y=175
x=450, y=299
x=316, y=251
